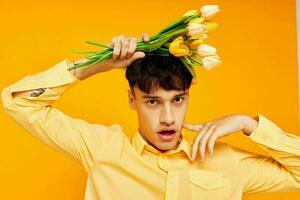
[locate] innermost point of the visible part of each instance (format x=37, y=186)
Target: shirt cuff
x=56, y=76
x=266, y=132
x=269, y=135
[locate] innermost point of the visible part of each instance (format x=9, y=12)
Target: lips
x=166, y=134
x=166, y=130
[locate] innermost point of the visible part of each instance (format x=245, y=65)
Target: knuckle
x=205, y=126
x=211, y=141
x=116, y=50
x=201, y=143
x=209, y=123
x=216, y=131
x=213, y=125
x=116, y=42
x=197, y=139
x=205, y=140
x=130, y=52
x=133, y=44
x=125, y=44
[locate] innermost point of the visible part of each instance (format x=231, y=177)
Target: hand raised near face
x=210, y=131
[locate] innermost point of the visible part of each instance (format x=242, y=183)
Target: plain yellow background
x=256, y=40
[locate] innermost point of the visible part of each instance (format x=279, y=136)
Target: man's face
x=158, y=111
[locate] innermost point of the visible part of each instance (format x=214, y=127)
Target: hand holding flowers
x=183, y=38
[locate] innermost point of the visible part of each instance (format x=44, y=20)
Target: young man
x=158, y=162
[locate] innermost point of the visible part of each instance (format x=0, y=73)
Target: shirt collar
x=140, y=145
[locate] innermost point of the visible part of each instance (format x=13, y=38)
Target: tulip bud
x=197, y=20
x=206, y=50
x=202, y=37
x=210, y=62
x=194, y=44
x=211, y=25
x=196, y=29
x=208, y=11
x=190, y=13
x=177, y=48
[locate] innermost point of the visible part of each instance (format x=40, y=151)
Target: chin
x=166, y=147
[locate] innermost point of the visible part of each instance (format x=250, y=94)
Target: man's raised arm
x=28, y=101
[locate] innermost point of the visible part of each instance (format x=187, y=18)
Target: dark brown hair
x=154, y=71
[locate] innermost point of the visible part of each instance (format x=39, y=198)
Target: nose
x=167, y=116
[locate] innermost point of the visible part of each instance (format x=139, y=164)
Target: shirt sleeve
x=277, y=172
x=75, y=137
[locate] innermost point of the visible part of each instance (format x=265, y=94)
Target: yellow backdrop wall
x=256, y=40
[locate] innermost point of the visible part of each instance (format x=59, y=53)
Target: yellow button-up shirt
x=122, y=167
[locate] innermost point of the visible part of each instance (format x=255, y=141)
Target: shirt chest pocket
x=209, y=185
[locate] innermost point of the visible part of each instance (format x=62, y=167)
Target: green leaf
x=98, y=44
x=79, y=51
x=195, y=60
x=188, y=67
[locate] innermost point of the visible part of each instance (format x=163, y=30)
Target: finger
x=145, y=37
x=132, y=47
x=195, y=146
x=136, y=55
x=196, y=142
x=117, y=48
x=211, y=142
x=124, y=47
x=115, y=38
x=203, y=141
x=202, y=133
x=111, y=43
x=192, y=127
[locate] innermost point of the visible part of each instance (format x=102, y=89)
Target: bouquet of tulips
x=183, y=38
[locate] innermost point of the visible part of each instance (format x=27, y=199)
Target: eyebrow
x=157, y=97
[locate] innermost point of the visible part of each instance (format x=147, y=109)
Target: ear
x=131, y=100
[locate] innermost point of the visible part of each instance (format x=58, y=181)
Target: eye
x=178, y=99
x=151, y=101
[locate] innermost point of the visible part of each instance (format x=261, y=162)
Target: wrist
x=249, y=124
x=87, y=71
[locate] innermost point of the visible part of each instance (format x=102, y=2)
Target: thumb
x=135, y=56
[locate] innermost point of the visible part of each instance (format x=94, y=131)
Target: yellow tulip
x=208, y=11
x=210, y=62
x=202, y=37
x=211, y=25
x=194, y=44
x=191, y=12
x=206, y=50
x=197, y=20
x=177, y=48
x=195, y=29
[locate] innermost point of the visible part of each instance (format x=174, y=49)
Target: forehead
x=159, y=93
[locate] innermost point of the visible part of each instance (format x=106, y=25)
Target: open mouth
x=167, y=132
x=167, y=135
